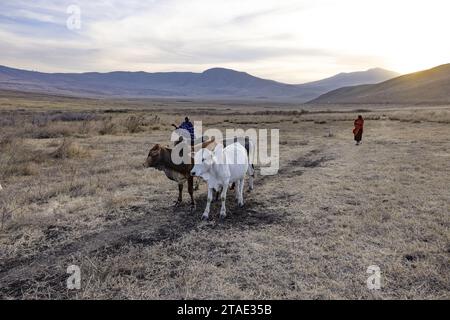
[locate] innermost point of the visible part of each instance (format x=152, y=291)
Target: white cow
x=220, y=168
x=250, y=147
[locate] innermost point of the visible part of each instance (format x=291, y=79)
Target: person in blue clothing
x=188, y=126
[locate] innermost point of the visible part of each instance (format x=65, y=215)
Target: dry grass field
x=75, y=192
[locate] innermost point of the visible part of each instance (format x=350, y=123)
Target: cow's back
x=246, y=142
x=237, y=161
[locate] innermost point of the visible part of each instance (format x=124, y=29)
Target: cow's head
x=204, y=160
x=154, y=157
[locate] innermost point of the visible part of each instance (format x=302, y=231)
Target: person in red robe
x=358, y=130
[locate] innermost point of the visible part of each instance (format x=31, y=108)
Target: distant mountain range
x=425, y=87
x=216, y=83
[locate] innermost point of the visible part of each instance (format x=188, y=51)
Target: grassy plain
x=75, y=192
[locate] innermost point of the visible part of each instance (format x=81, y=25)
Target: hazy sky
x=285, y=40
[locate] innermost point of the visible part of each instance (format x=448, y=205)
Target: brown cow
x=160, y=158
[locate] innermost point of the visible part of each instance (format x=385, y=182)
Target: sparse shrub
x=50, y=130
x=42, y=119
x=16, y=159
x=279, y=112
x=107, y=127
x=70, y=150
x=116, y=111
x=133, y=124
x=74, y=116
x=10, y=119
x=23, y=169
x=156, y=119
x=85, y=127
x=59, y=125
x=6, y=141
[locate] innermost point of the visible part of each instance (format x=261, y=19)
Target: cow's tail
x=251, y=167
x=251, y=176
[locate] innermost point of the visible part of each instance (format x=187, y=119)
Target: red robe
x=359, y=125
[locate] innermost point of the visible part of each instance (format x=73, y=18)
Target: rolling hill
x=340, y=80
x=425, y=87
x=216, y=83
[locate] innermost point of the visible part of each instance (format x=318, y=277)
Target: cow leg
x=250, y=183
x=196, y=183
x=223, y=198
x=236, y=191
x=180, y=194
x=205, y=215
x=241, y=193
x=191, y=192
x=251, y=176
x=216, y=195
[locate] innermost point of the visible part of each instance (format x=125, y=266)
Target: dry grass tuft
x=6, y=141
x=18, y=159
x=133, y=124
x=70, y=150
x=22, y=169
x=50, y=131
x=107, y=127
x=117, y=201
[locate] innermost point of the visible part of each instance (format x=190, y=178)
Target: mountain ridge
x=215, y=82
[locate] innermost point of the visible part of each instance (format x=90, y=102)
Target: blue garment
x=189, y=127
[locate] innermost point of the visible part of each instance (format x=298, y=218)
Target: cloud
x=292, y=41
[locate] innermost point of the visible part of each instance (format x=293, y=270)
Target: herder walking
x=358, y=130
